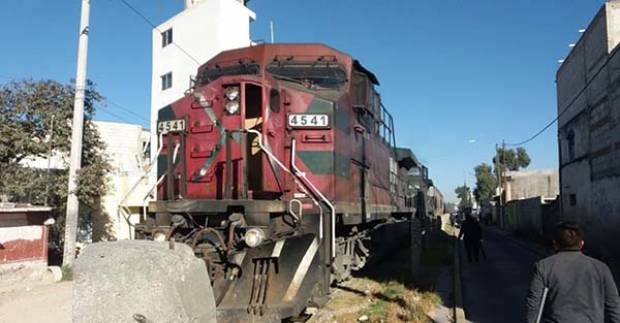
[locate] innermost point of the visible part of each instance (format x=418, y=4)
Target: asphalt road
x=494, y=290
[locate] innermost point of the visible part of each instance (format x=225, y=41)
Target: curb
x=458, y=312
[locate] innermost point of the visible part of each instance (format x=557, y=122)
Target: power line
x=583, y=89
x=150, y=23
x=115, y=115
x=125, y=109
x=538, y=133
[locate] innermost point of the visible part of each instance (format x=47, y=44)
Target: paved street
x=495, y=289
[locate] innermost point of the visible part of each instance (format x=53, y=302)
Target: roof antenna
x=271, y=29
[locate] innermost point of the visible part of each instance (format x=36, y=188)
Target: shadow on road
x=495, y=288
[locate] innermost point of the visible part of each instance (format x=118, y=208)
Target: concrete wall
x=23, y=255
x=588, y=90
x=525, y=215
x=527, y=184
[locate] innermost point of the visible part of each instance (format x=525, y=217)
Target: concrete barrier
x=23, y=255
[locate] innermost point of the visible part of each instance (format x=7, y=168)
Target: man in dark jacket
x=580, y=289
x=473, y=234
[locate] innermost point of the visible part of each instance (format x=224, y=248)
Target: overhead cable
x=150, y=23
x=125, y=109
x=561, y=113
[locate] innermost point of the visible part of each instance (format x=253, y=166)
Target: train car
x=278, y=167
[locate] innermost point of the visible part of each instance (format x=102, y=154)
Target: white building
x=184, y=42
x=126, y=150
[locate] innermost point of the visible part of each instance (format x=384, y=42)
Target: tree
x=28, y=109
x=464, y=195
x=513, y=160
x=486, y=183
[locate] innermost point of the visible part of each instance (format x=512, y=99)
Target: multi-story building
x=588, y=94
x=184, y=42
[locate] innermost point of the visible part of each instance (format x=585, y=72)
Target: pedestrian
x=471, y=232
x=578, y=288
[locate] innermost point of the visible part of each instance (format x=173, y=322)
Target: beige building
x=588, y=94
x=519, y=185
x=529, y=197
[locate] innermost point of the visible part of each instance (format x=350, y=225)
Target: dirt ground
x=42, y=303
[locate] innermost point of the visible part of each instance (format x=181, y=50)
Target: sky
x=458, y=76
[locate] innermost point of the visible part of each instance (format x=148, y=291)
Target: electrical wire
x=537, y=134
x=583, y=89
x=150, y=23
x=125, y=109
x=114, y=115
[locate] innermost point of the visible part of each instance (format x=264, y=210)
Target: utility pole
x=499, y=154
x=49, y=160
x=271, y=30
x=71, y=219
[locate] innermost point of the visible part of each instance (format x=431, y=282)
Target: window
x=365, y=119
x=415, y=171
x=572, y=199
x=317, y=75
x=386, y=126
x=570, y=138
x=360, y=89
x=166, y=81
x=241, y=68
x=166, y=38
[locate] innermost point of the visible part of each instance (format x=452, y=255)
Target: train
x=277, y=168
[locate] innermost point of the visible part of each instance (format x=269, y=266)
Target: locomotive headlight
x=254, y=237
x=232, y=93
x=159, y=236
x=232, y=107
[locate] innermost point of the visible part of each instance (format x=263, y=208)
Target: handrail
x=122, y=206
x=319, y=194
x=295, y=176
x=159, y=180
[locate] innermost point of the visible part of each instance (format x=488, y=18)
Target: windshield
x=317, y=75
x=414, y=171
x=210, y=74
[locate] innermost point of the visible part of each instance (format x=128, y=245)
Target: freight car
x=277, y=167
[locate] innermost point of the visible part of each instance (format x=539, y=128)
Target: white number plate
x=171, y=126
x=308, y=120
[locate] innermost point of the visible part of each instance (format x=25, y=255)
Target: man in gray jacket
x=580, y=289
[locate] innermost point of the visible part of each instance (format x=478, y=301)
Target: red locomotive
x=276, y=168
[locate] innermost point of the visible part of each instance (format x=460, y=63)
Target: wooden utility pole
x=71, y=219
x=498, y=171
